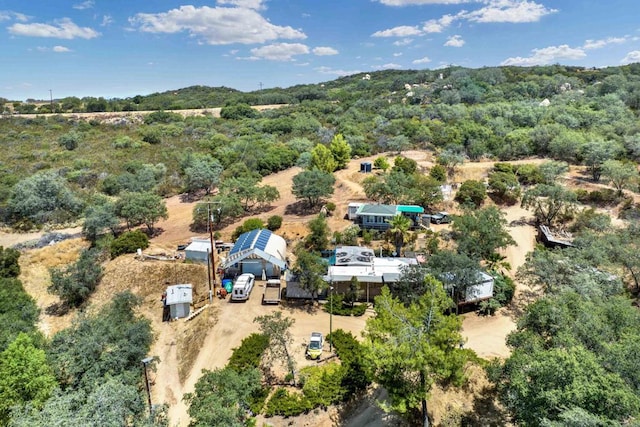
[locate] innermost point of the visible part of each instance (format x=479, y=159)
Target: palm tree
x=399, y=229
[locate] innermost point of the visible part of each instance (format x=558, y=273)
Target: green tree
x=313, y=185
x=318, y=238
x=595, y=153
x=552, y=170
x=398, y=143
x=457, y=271
x=399, y=227
x=246, y=189
x=308, y=270
x=381, y=163
x=439, y=173
x=276, y=328
x=471, y=193
x=25, y=376
x=98, y=219
x=322, y=159
x=504, y=187
x=9, y=265
x=549, y=203
x=222, y=397
x=141, y=208
x=414, y=347
x=620, y=174
x=43, y=197
x=248, y=225
x=18, y=312
x=450, y=159
x=203, y=173
x=340, y=150
x=111, y=343
x=481, y=232
x=75, y=283
x=353, y=292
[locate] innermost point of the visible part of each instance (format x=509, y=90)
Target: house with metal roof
x=377, y=217
x=259, y=252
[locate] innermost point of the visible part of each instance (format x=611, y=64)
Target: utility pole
x=213, y=243
x=261, y=86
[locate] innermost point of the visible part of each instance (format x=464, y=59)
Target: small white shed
x=198, y=250
x=179, y=299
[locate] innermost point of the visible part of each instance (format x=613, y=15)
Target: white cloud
x=341, y=73
x=403, y=42
x=633, y=56
x=397, y=54
x=401, y=31
x=106, y=21
x=216, y=26
x=324, y=51
x=438, y=25
x=246, y=4
x=598, y=44
x=514, y=11
x=455, y=41
x=279, y=51
x=61, y=49
x=64, y=29
x=7, y=15
x=547, y=55
x=424, y=60
x=388, y=66
x=84, y=5
x=421, y=2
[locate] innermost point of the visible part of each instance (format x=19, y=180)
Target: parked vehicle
x=440, y=218
x=242, y=287
x=271, y=294
x=314, y=348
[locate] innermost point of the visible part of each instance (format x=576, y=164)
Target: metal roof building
x=259, y=252
x=179, y=299
x=198, y=250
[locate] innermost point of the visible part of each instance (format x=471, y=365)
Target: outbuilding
x=198, y=250
x=259, y=252
x=179, y=299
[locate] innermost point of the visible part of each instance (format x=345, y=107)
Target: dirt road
x=234, y=321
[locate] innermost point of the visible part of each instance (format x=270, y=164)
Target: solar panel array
x=251, y=239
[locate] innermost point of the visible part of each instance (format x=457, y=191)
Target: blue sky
x=121, y=48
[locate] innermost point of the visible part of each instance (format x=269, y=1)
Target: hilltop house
x=377, y=217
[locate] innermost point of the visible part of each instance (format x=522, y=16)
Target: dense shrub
x=248, y=225
x=18, y=311
x=336, y=305
x=250, y=352
x=162, y=117
x=75, y=283
x=9, y=266
x=274, y=222
x=287, y=404
x=323, y=385
x=602, y=197
x=352, y=356
x=471, y=192
x=128, y=243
